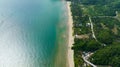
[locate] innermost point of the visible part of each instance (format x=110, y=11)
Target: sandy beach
x=71, y=38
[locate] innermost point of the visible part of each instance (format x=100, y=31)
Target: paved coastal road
x=85, y=59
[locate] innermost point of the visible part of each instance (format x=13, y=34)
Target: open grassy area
x=97, y=10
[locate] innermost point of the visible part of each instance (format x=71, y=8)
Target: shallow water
x=28, y=32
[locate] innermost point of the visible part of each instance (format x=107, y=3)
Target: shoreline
x=70, y=55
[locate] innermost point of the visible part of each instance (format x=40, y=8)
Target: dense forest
x=105, y=16
x=109, y=55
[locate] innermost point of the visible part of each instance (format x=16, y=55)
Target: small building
x=88, y=24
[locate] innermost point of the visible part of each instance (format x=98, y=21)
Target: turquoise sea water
x=30, y=31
